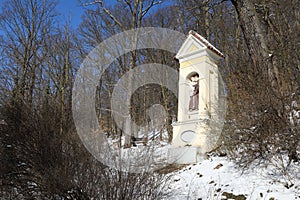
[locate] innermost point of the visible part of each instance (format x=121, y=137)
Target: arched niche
x=193, y=97
x=190, y=75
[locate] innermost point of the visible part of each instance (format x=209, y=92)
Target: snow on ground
x=214, y=176
x=217, y=177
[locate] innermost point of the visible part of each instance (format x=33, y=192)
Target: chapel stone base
x=192, y=147
x=185, y=155
x=198, y=139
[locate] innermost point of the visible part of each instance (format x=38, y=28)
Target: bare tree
x=137, y=10
x=25, y=25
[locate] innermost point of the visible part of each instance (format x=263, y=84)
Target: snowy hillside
x=219, y=178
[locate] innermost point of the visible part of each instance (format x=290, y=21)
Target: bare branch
x=150, y=6
x=106, y=11
x=129, y=5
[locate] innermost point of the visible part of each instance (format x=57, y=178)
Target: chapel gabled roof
x=206, y=43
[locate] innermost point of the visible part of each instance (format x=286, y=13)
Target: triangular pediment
x=196, y=44
x=190, y=46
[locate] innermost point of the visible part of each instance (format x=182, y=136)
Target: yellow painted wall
x=194, y=61
x=192, y=48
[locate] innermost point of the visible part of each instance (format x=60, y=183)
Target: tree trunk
x=255, y=37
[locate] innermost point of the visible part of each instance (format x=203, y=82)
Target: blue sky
x=70, y=9
x=73, y=10
x=67, y=9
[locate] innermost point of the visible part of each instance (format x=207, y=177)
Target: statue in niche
x=194, y=96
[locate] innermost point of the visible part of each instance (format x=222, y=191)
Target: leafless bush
x=261, y=124
x=39, y=162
